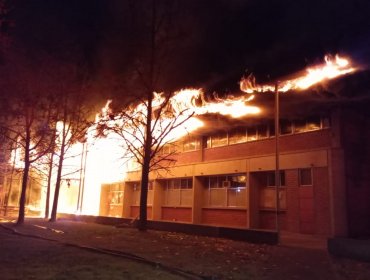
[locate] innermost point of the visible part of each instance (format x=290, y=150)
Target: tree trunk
x=146, y=166
x=48, y=186
x=53, y=216
x=144, y=192
x=142, y=225
x=22, y=199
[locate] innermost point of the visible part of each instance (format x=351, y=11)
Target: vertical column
x=127, y=200
x=158, y=195
x=337, y=187
x=197, y=200
x=337, y=179
x=104, y=203
x=253, y=201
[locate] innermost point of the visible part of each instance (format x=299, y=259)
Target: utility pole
x=277, y=154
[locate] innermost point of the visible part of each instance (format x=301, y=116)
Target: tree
x=146, y=126
x=30, y=127
x=73, y=124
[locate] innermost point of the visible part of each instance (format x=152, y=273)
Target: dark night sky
x=219, y=40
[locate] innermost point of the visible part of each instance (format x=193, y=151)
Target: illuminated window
x=262, y=131
x=217, y=140
x=168, y=149
x=252, y=133
x=226, y=191
x=305, y=177
x=191, y=144
x=237, y=136
x=117, y=198
x=313, y=123
x=285, y=127
x=300, y=126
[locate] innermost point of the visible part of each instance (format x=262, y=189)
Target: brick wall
x=296, y=142
x=225, y=217
x=268, y=220
x=322, y=200
x=177, y=214
x=292, y=200
x=135, y=211
x=188, y=157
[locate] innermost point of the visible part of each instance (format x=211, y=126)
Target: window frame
x=300, y=177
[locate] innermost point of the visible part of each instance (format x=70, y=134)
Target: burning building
x=234, y=162
x=225, y=169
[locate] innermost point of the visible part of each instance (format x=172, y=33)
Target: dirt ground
x=76, y=250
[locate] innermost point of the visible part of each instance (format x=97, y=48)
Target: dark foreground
x=75, y=250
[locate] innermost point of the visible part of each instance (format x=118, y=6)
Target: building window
x=191, y=144
x=305, y=177
x=300, y=126
x=252, y=133
x=313, y=123
x=136, y=187
x=285, y=127
x=178, y=192
x=271, y=129
x=237, y=136
x=217, y=140
x=270, y=178
x=116, y=197
x=226, y=191
x=166, y=149
x=262, y=131
x=325, y=122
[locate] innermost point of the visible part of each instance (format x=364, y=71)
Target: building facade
x=227, y=178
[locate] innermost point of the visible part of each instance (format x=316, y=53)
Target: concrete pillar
x=197, y=200
x=337, y=187
x=253, y=201
x=158, y=196
x=127, y=199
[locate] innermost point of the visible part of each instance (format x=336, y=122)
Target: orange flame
x=332, y=68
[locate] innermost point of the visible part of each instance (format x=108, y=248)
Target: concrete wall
x=305, y=150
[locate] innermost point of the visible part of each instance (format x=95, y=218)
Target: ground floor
x=239, y=193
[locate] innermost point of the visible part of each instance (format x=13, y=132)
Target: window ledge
x=175, y=206
x=272, y=210
x=226, y=207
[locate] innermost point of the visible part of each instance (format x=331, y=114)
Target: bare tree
x=73, y=125
x=30, y=127
x=146, y=131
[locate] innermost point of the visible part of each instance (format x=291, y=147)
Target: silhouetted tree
x=73, y=123
x=145, y=131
